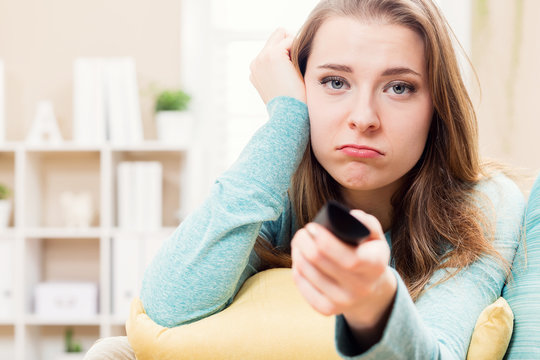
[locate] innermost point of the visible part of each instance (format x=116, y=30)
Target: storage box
x=63, y=299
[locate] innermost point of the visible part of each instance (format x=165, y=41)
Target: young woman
x=367, y=107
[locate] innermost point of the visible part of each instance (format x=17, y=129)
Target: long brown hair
x=437, y=219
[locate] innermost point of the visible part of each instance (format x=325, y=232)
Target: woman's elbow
x=170, y=314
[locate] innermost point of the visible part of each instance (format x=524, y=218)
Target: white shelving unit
x=36, y=247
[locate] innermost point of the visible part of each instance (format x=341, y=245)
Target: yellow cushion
x=492, y=332
x=268, y=320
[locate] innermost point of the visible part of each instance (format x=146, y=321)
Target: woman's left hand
x=273, y=72
x=336, y=278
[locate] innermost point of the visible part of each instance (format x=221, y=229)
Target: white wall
x=39, y=41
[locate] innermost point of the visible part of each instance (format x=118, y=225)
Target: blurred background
x=82, y=131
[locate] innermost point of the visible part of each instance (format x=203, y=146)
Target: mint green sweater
x=199, y=269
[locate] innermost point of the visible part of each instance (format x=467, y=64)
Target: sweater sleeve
x=523, y=291
x=199, y=268
x=440, y=324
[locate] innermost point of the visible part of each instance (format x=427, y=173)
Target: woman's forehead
x=354, y=43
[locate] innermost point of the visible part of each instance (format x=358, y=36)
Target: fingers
x=332, y=256
x=369, y=251
x=335, y=277
x=325, y=283
x=371, y=222
x=278, y=35
x=323, y=292
x=272, y=71
x=305, y=245
x=286, y=44
x=279, y=39
x=333, y=248
x=375, y=256
x=313, y=296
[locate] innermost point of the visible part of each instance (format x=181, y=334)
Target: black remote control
x=336, y=218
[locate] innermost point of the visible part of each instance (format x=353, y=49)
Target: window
x=458, y=13
x=227, y=41
x=242, y=27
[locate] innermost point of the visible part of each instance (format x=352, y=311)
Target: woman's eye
x=334, y=83
x=401, y=88
x=337, y=84
x=398, y=89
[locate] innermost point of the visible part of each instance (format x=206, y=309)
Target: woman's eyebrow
x=400, y=71
x=336, y=67
x=388, y=72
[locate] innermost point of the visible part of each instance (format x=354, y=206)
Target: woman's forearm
x=197, y=270
x=368, y=322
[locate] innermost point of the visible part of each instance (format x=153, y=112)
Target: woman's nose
x=364, y=116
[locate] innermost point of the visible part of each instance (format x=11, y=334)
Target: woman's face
x=369, y=103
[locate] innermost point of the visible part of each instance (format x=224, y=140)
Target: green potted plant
x=174, y=121
x=5, y=205
x=72, y=348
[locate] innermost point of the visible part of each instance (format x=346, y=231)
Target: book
x=125, y=272
x=89, y=103
x=123, y=108
x=140, y=195
x=106, y=103
x=150, y=181
x=125, y=206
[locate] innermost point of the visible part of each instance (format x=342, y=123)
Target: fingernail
x=312, y=230
x=358, y=213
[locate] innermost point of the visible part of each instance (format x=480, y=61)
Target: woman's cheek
x=317, y=136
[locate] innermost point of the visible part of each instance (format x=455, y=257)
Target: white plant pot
x=5, y=212
x=175, y=127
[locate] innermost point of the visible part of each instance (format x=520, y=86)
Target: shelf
x=31, y=319
x=56, y=182
x=7, y=341
x=9, y=233
x=44, y=243
x=150, y=146
x=63, y=233
x=8, y=147
x=80, y=233
x=67, y=147
x=167, y=230
x=63, y=261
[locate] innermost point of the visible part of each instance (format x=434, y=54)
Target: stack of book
x=126, y=271
x=139, y=189
x=106, y=101
x=132, y=253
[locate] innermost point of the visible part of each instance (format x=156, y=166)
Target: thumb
x=371, y=222
x=375, y=248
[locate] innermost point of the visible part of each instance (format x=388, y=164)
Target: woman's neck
x=375, y=202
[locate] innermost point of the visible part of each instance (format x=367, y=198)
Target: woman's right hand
x=272, y=71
